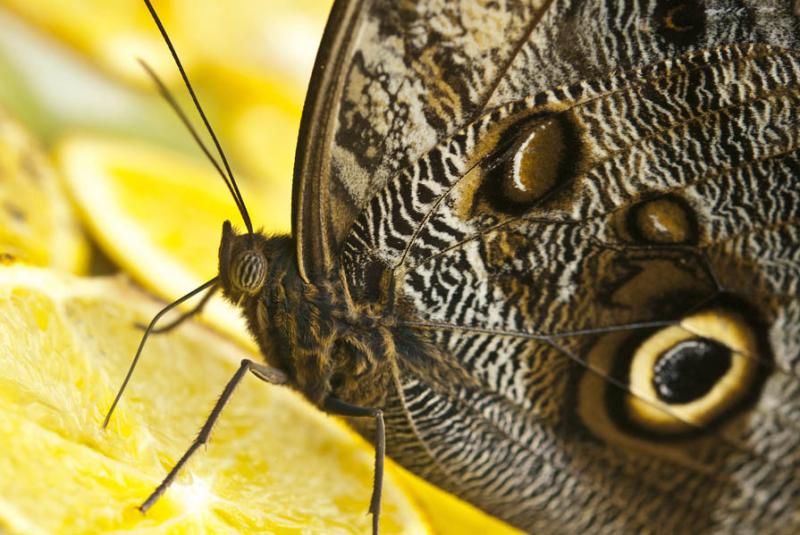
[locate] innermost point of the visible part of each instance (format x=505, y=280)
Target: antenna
x=230, y=181
x=150, y=329
x=185, y=120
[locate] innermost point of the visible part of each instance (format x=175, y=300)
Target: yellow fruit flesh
x=249, y=34
x=261, y=100
x=112, y=34
x=448, y=515
x=274, y=464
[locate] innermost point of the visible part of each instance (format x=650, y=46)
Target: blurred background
x=72, y=66
x=149, y=203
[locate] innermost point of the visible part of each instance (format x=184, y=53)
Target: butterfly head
x=243, y=264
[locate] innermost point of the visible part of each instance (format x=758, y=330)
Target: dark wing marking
x=310, y=197
x=550, y=473
x=578, y=40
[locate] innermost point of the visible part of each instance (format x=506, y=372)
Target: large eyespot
x=678, y=381
x=248, y=271
x=686, y=376
x=529, y=159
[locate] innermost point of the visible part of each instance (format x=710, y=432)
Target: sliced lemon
x=447, y=514
x=274, y=464
x=276, y=36
x=261, y=121
x=159, y=215
x=37, y=223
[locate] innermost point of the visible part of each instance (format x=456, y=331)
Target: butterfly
x=546, y=253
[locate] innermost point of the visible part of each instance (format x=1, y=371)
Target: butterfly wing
x=390, y=80
x=312, y=223
x=575, y=252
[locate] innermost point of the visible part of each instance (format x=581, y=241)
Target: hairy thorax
x=327, y=343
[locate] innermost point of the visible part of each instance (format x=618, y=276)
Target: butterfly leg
x=183, y=317
x=265, y=373
x=341, y=408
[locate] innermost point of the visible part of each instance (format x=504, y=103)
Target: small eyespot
x=664, y=220
x=681, y=22
x=249, y=271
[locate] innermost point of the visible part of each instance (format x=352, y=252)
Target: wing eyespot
x=533, y=170
x=689, y=370
x=531, y=158
x=663, y=220
x=684, y=377
x=679, y=381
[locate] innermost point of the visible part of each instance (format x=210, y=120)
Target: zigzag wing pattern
x=412, y=73
x=559, y=242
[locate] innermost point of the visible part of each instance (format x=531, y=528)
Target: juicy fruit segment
x=273, y=465
x=36, y=221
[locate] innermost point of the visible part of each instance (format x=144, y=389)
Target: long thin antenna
x=199, y=108
x=168, y=96
x=146, y=334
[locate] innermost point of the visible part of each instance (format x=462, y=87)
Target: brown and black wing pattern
x=391, y=80
x=615, y=264
x=394, y=78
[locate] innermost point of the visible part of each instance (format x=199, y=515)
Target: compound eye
x=249, y=271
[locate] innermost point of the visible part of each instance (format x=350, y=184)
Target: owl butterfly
x=554, y=246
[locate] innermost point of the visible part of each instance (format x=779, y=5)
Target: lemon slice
x=273, y=464
x=447, y=514
x=245, y=33
x=261, y=120
x=159, y=215
x=36, y=221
